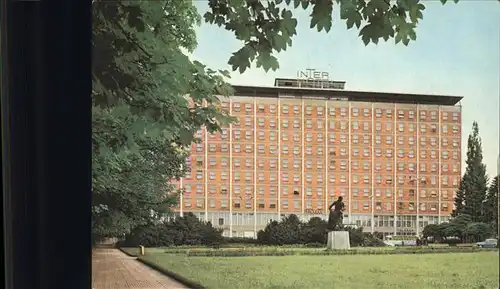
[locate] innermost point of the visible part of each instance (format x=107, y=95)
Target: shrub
x=289, y=252
x=291, y=231
x=187, y=230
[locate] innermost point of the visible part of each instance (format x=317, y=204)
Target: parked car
x=488, y=243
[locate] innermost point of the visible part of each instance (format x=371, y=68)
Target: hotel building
x=297, y=146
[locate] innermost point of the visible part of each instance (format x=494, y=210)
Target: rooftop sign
x=313, y=74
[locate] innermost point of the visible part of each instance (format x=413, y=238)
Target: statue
x=336, y=216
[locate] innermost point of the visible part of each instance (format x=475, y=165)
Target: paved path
x=112, y=269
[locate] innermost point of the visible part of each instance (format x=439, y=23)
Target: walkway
x=112, y=269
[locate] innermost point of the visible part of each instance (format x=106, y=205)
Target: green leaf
x=279, y=42
x=267, y=61
x=241, y=58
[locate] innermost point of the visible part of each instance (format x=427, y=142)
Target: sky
x=457, y=52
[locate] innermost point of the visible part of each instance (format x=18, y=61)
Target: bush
x=289, y=252
x=238, y=240
x=312, y=234
x=187, y=230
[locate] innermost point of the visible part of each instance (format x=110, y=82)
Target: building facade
x=395, y=158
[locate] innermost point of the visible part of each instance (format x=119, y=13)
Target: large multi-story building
x=394, y=157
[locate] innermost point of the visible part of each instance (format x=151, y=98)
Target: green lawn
x=450, y=270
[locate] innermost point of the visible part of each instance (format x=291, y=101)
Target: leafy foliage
x=474, y=183
x=314, y=233
x=187, y=230
x=461, y=228
x=491, y=204
x=148, y=100
x=265, y=27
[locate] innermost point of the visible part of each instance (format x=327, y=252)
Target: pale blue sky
x=457, y=52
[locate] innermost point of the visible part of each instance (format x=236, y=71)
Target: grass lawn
x=426, y=271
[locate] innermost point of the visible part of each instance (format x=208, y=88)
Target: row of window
x=318, y=164
x=318, y=191
x=308, y=204
x=355, y=138
x=308, y=177
x=319, y=151
x=343, y=125
x=332, y=111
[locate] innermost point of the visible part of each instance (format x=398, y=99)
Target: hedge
x=249, y=253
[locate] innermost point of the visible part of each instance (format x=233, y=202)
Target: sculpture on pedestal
x=336, y=216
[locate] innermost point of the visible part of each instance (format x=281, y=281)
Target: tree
x=266, y=27
x=148, y=100
x=491, y=204
x=473, y=186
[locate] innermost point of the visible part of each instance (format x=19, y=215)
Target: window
x=366, y=126
x=261, y=121
x=378, y=112
x=401, y=127
x=284, y=109
x=296, y=123
x=355, y=125
x=331, y=111
x=284, y=123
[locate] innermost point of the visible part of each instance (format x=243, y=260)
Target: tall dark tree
x=491, y=204
x=460, y=197
x=474, y=184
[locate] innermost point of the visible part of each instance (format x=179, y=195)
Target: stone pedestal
x=338, y=240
